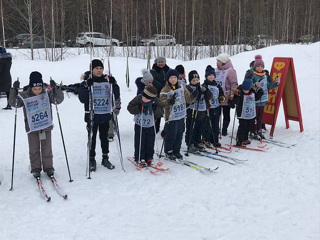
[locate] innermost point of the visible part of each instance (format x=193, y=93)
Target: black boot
x=8, y=107
x=105, y=162
x=92, y=164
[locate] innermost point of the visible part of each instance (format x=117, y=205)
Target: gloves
x=232, y=105
x=203, y=89
x=16, y=85
x=90, y=82
x=195, y=93
x=222, y=99
x=172, y=100
x=53, y=84
x=117, y=111
x=277, y=80
x=112, y=80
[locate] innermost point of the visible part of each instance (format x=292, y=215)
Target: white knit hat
x=223, y=57
x=146, y=76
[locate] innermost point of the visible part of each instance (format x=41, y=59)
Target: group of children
x=198, y=106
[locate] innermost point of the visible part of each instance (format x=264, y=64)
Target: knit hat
x=247, y=83
x=210, y=70
x=223, y=57
x=160, y=59
x=180, y=69
x=251, y=64
x=193, y=74
x=35, y=80
x=3, y=50
x=96, y=63
x=258, y=61
x=150, y=92
x=146, y=76
x=172, y=72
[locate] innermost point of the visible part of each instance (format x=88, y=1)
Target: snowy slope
x=274, y=195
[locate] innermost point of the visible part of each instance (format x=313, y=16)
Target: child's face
x=259, y=68
x=97, y=71
x=211, y=77
x=245, y=91
x=195, y=81
x=36, y=90
x=173, y=80
x=149, y=84
x=146, y=100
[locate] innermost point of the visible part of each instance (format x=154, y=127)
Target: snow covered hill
x=274, y=195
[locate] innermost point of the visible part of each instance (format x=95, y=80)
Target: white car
x=159, y=40
x=95, y=39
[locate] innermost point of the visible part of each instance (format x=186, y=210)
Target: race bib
x=215, y=98
x=144, y=120
x=38, y=111
x=178, y=110
x=264, y=86
x=248, y=107
x=221, y=76
x=101, y=93
x=199, y=103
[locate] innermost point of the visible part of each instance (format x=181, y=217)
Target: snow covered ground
x=274, y=195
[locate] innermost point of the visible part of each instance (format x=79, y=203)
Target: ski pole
x=90, y=132
x=64, y=146
x=220, y=120
x=212, y=133
x=140, y=137
x=234, y=119
x=14, y=139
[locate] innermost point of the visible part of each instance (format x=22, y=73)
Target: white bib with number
x=101, y=93
x=38, y=111
x=215, y=98
x=200, y=103
x=264, y=86
x=144, y=120
x=178, y=110
x=248, y=107
x=221, y=76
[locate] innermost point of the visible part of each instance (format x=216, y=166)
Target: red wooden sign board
x=287, y=90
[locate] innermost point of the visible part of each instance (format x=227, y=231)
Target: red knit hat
x=258, y=61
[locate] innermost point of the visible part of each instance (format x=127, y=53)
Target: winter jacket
x=238, y=98
x=140, y=85
x=137, y=101
x=84, y=98
x=231, y=82
x=165, y=101
x=207, y=95
x=159, y=76
x=257, y=77
x=5, y=76
x=54, y=95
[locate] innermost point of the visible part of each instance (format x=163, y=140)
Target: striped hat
x=150, y=92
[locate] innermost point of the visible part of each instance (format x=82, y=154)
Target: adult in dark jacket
x=5, y=76
x=102, y=109
x=159, y=71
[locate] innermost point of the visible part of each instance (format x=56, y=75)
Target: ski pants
x=214, y=119
x=257, y=121
x=196, y=132
x=226, y=118
x=40, y=151
x=173, y=137
x=147, y=142
x=103, y=135
x=243, y=129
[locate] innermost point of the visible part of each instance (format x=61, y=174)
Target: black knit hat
x=150, y=92
x=193, y=74
x=172, y=72
x=96, y=63
x=35, y=80
x=210, y=70
x=180, y=69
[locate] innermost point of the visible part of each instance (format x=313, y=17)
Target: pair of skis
x=154, y=168
x=56, y=186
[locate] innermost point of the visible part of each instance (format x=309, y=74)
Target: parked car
x=16, y=41
x=159, y=40
x=132, y=41
x=96, y=39
x=41, y=42
x=306, y=38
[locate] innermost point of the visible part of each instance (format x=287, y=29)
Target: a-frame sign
x=287, y=90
